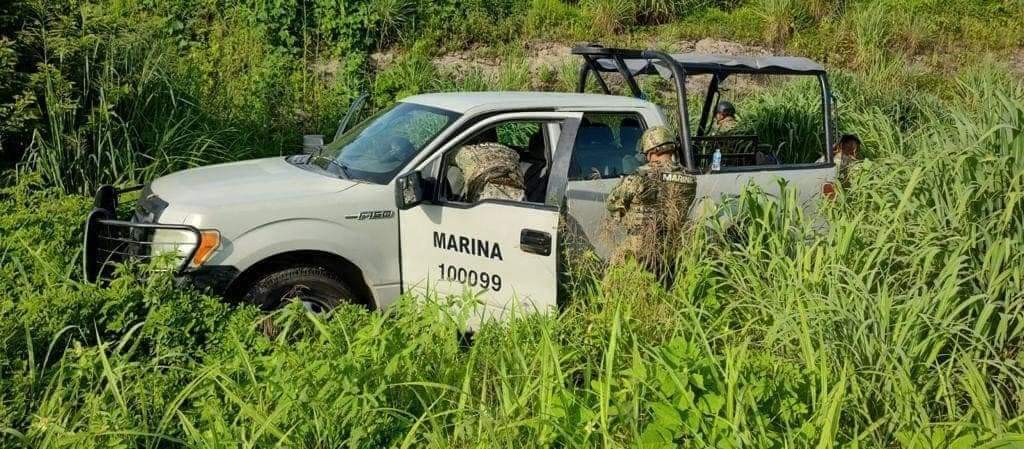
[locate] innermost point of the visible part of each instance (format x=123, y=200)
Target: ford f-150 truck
x=374, y=213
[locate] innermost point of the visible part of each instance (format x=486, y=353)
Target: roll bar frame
x=592, y=53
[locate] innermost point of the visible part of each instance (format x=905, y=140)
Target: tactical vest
x=661, y=200
x=490, y=170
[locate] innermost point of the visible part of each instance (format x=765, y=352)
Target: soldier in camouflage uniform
x=725, y=119
x=653, y=204
x=490, y=171
x=844, y=156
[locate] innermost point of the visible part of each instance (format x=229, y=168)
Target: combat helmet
x=654, y=138
x=725, y=107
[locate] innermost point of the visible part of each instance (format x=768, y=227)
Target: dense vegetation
x=900, y=325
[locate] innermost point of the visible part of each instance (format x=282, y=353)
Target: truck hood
x=260, y=180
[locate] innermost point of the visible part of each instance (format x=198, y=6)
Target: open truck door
x=502, y=253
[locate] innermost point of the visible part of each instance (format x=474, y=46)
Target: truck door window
x=526, y=138
x=606, y=146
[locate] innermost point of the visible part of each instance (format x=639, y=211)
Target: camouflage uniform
x=491, y=171
x=843, y=163
x=653, y=205
x=724, y=126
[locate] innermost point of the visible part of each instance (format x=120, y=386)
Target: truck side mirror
x=409, y=190
x=311, y=143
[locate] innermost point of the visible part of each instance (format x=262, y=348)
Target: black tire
x=319, y=289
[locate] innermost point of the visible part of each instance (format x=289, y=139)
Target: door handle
x=533, y=241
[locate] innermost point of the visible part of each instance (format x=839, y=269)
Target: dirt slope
x=542, y=55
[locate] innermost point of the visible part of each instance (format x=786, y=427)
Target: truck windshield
x=377, y=148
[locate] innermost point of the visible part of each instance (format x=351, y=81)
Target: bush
x=609, y=17
x=411, y=74
x=155, y=99
x=781, y=19
x=120, y=118
x=551, y=18
x=654, y=12
x=17, y=112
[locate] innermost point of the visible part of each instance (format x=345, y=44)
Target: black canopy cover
x=697, y=64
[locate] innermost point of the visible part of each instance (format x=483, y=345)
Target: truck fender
x=307, y=235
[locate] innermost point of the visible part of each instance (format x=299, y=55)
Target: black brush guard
x=109, y=241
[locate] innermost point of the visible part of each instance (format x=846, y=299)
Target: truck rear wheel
x=317, y=288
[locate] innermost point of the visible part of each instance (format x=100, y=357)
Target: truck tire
x=319, y=289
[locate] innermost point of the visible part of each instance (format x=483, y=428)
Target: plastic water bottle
x=716, y=160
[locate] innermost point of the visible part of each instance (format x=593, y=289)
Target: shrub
x=820, y=9
x=391, y=18
x=411, y=74
x=780, y=20
x=17, y=105
x=653, y=12
x=741, y=24
x=121, y=118
x=150, y=102
x=609, y=17
x=546, y=18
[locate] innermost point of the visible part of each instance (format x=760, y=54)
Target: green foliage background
x=898, y=325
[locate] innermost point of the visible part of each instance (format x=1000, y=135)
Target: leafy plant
x=608, y=17
x=17, y=112
x=391, y=18
x=781, y=19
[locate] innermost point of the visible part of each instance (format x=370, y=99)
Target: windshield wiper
x=342, y=167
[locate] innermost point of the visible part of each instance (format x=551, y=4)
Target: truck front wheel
x=317, y=288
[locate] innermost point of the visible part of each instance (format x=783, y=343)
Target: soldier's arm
x=622, y=196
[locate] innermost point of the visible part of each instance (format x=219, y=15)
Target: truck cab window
x=508, y=161
x=606, y=146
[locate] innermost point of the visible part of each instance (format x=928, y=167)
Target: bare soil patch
x=1017, y=61
x=538, y=56
x=546, y=55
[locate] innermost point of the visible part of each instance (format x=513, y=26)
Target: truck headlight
x=180, y=243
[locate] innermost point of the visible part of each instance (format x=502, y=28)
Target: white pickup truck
x=372, y=214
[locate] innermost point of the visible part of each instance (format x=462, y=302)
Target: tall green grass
x=123, y=98
x=913, y=297
x=120, y=92
x=899, y=324
x=112, y=110
x=780, y=19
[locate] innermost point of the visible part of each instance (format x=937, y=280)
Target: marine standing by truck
x=725, y=118
x=653, y=204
